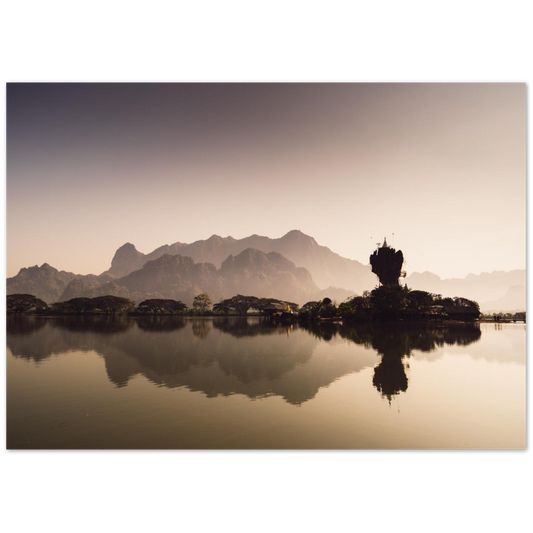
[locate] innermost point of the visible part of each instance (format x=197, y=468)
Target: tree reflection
x=241, y=327
x=224, y=356
x=322, y=330
x=201, y=327
x=396, y=341
x=24, y=325
x=156, y=323
x=103, y=325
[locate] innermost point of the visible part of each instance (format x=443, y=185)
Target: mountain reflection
x=225, y=356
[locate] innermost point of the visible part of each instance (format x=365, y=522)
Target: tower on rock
x=387, y=264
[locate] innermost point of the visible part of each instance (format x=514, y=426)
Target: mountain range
x=294, y=268
x=326, y=267
x=492, y=290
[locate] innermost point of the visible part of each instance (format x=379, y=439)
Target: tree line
x=108, y=305
x=18, y=304
x=386, y=302
x=393, y=302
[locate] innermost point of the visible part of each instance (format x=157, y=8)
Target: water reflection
x=156, y=324
x=201, y=328
x=103, y=325
x=396, y=341
x=225, y=356
x=242, y=327
x=24, y=325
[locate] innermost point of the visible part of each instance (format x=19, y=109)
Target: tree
x=112, y=305
x=309, y=310
x=462, y=309
x=241, y=304
x=356, y=308
x=420, y=299
x=316, y=310
x=223, y=307
x=327, y=309
x=18, y=304
x=62, y=308
x=388, y=301
x=80, y=305
x=202, y=303
x=161, y=306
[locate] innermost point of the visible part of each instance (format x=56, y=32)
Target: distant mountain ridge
x=513, y=300
x=326, y=267
x=45, y=282
x=178, y=277
x=485, y=287
x=218, y=266
x=252, y=272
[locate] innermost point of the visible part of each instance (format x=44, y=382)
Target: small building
x=278, y=309
x=275, y=309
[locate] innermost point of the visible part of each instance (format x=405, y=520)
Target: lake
x=243, y=383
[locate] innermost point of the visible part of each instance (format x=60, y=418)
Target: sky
x=437, y=169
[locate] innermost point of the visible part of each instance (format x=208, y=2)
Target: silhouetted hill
x=171, y=276
x=326, y=267
x=45, y=282
x=479, y=287
x=335, y=294
x=127, y=259
x=514, y=300
x=266, y=275
x=259, y=275
x=174, y=276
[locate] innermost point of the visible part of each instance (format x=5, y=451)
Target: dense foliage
x=316, y=310
x=387, y=302
x=161, y=306
x=17, y=304
x=202, y=303
x=393, y=302
x=240, y=305
x=107, y=305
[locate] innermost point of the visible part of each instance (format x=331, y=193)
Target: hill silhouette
x=492, y=289
x=180, y=278
x=45, y=282
x=326, y=267
x=323, y=274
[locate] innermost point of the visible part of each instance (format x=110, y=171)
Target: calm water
x=241, y=383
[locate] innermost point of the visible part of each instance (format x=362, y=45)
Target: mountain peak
x=295, y=232
x=126, y=247
x=126, y=258
x=45, y=267
x=424, y=275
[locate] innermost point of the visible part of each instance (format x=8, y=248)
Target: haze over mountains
x=294, y=268
x=326, y=267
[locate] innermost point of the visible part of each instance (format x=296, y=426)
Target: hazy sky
x=440, y=166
